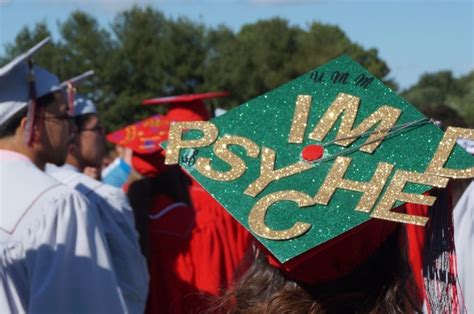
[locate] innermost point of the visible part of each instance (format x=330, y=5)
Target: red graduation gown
x=194, y=252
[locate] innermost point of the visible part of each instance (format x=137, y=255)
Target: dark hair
x=9, y=127
x=383, y=284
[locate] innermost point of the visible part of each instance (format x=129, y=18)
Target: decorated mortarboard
x=80, y=105
x=143, y=137
x=21, y=83
x=189, y=107
x=319, y=161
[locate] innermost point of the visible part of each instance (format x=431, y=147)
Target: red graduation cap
x=143, y=137
x=188, y=107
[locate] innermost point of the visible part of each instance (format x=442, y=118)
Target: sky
x=412, y=36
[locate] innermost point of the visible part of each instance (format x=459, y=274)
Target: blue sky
x=412, y=36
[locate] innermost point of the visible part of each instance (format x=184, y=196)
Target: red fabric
x=416, y=244
x=219, y=241
x=149, y=164
x=192, y=111
x=169, y=261
x=194, y=253
x=186, y=98
x=334, y=260
x=188, y=107
x=338, y=257
x=144, y=136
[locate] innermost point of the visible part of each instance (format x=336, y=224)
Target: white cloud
x=5, y=2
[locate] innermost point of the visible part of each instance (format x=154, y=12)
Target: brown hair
x=383, y=284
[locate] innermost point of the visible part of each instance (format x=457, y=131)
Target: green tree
x=443, y=97
x=144, y=54
x=266, y=54
x=49, y=56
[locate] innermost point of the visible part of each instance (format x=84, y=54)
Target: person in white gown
x=53, y=254
x=463, y=219
x=87, y=149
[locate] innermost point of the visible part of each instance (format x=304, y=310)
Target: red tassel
x=31, y=115
x=70, y=94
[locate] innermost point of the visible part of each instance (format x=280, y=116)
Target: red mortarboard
x=143, y=137
x=189, y=107
x=149, y=165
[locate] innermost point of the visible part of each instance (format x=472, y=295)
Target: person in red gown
x=194, y=247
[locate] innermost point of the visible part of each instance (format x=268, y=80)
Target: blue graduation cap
x=81, y=104
x=21, y=83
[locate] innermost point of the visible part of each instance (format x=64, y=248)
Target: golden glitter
x=371, y=190
x=300, y=119
x=176, y=143
x=395, y=192
x=443, y=152
x=238, y=166
x=268, y=173
x=385, y=117
x=256, y=217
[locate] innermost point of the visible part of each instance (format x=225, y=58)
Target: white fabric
x=463, y=216
x=53, y=255
x=117, y=220
x=467, y=144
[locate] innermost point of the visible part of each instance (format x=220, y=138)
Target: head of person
x=382, y=283
x=87, y=148
x=34, y=118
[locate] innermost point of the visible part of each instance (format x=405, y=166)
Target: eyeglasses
x=98, y=128
x=65, y=117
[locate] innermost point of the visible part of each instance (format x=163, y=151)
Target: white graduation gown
x=463, y=217
x=53, y=255
x=116, y=217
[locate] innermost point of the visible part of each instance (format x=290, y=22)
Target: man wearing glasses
x=87, y=149
x=53, y=254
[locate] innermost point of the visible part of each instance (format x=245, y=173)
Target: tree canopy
x=443, y=97
x=145, y=54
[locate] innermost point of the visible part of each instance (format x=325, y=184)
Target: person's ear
x=73, y=144
x=22, y=129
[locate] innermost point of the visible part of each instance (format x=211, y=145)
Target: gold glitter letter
x=395, y=192
x=443, y=152
x=268, y=173
x=371, y=190
x=259, y=210
x=238, y=167
x=386, y=115
x=175, y=143
x=300, y=119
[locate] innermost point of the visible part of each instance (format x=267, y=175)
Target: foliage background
x=145, y=54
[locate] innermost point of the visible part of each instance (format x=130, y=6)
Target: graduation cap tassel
x=70, y=94
x=31, y=115
x=396, y=130
x=439, y=260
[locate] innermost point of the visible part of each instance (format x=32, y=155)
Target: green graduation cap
x=318, y=157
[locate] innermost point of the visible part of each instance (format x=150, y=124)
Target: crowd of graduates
x=140, y=236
